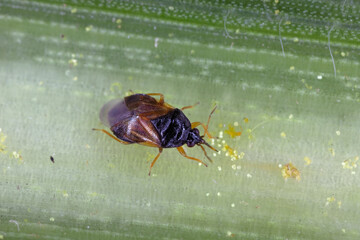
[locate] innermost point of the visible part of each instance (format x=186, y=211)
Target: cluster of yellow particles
x=3, y=147
x=351, y=164
x=224, y=148
x=290, y=171
x=330, y=200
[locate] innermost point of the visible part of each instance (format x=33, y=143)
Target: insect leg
x=195, y=124
x=112, y=136
x=161, y=101
x=182, y=152
x=153, y=162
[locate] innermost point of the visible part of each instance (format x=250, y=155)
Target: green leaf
x=284, y=76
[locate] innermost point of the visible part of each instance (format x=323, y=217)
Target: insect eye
x=190, y=144
x=196, y=131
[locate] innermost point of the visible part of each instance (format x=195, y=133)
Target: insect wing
x=137, y=130
x=146, y=106
x=114, y=112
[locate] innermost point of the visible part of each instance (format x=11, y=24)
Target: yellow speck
x=17, y=155
x=2, y=140
x=291, y=116
x=350, y=163
x=237, y=31
x=207, y=194
x=343, y=230
x=248, y=175
x=192, y=51
x=296, y=39
x=339, y=204
x=288, y=22
x=228, y=233
x=233, y=205
x=290, y=171
x=246, y=120
x=171, y=8
x=343, y=54
x=65, y=194
x=276, y=1
x=118, y=21
x=73, y=62
x=115, y=87
x=1, y=236
x=231, y=132
x=283, y=134
x=307, y=160
x=88, y=28
x=75, y=78
x=233, y=166
x=219, y=168
x=2, y=137
x=292, y=68
x=332, y=151
x=52, y=219
x=219, y=194
x=277, y=11
x=338, y=133
x=306, y=85
x=330, y=200
x=73, y=10
x=236, y=124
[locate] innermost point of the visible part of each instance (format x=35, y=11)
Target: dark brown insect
x=142, y=119
x=52, y=159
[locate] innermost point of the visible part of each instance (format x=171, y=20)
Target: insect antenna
x=205, y=153
x=207, y=124
x=210, y=146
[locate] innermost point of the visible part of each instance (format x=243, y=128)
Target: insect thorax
x=173, y=128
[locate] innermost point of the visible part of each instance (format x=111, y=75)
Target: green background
x=267, y=61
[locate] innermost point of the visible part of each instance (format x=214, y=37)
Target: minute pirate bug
x=142, y=119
